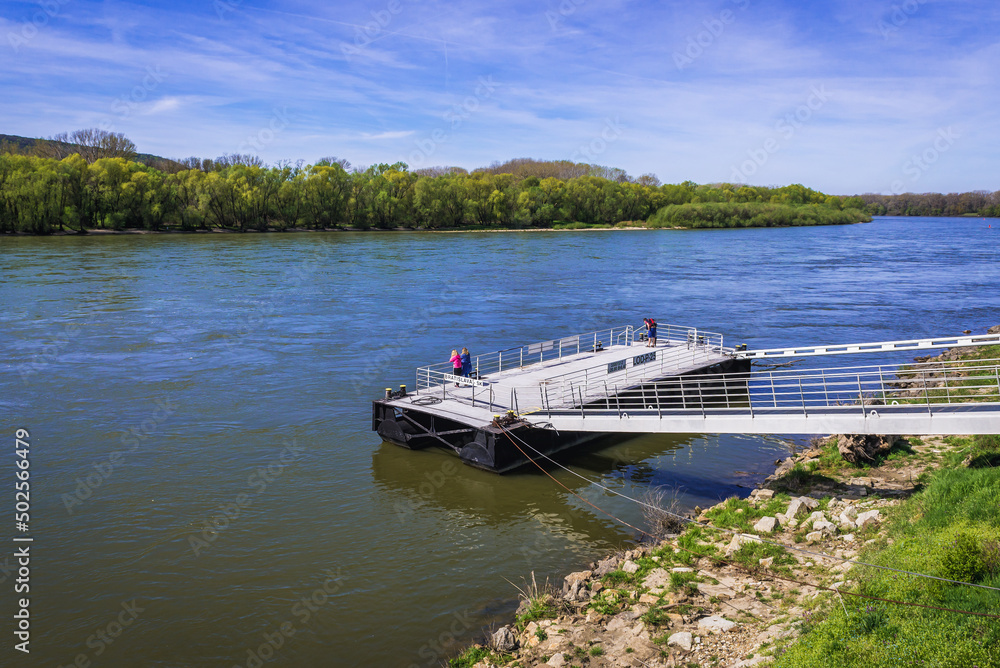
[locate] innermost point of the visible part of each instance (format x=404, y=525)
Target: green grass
x=741, y=515
x=951, y=527
x=750, y=555
x=474, y=655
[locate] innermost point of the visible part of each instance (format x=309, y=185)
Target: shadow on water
x=703, y=469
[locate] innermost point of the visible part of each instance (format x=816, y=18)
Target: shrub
x=963, y=559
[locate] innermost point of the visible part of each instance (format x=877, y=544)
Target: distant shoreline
x=610, y=228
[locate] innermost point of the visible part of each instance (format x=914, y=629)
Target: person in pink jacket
x=456, y=363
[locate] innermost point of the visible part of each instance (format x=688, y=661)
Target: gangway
x=557, y=393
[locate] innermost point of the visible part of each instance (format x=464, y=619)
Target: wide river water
x=206, y=489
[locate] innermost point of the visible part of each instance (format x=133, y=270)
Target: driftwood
x=862, y=448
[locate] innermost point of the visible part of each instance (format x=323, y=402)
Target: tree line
x=976, y=203
x=104, y=185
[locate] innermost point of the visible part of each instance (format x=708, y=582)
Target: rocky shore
x=733, y=591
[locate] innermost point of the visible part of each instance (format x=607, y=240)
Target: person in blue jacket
x=466, y=363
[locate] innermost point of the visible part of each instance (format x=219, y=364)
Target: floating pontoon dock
x=554, y=394
x=593, y=370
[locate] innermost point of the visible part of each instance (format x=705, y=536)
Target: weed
x=870, y=618
x=536, y=603
x=963, y=559
x=541, y=634
x=596, y=650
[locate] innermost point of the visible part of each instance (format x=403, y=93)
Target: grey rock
x=766, y=525
x=630, y=567
x=825, y=527
x=868, y=517
x=683, y=639
x=504, y=640
x=715, y=624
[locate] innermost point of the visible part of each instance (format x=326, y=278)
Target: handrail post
x=774, y=392
x=996, y=370
x=947, y=392
x=618, y=402
x=861, y=393
x=582, y=415
x=927, y=394
x=521, y=366
x=701, y=400
x=802, y=395
x=499, y=361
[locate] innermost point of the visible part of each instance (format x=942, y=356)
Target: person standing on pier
x=456, y=364
x=466, y=363
x=650, y=332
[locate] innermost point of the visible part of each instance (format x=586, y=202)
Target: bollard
x=402, y=390
x=388, y=393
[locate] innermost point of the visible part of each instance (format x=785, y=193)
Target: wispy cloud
x=372, y=81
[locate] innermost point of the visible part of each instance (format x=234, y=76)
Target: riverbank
x=750, y=577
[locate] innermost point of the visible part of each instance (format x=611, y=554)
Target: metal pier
x=557, y=393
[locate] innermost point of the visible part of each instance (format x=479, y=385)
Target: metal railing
x=532, y=353
x=928, y=385
x=519, y=357
x=806, y=391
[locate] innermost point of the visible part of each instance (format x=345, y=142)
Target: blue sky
x=843, y=96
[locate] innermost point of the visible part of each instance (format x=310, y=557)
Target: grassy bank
x=951, y=529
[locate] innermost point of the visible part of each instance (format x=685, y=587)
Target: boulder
x=605, y=566
x=683, y=639
x=818, y=516
x=630, y=567
x=848, y=515
x=766, y=562
x=557, y=660
x=503, y=640
x=796, y=509
x=869, y=517
x=860, y=448
x=575, y=585
x=814, y=537
x=765, y=525
x=825, y=527
x=738, y=541
x=715, y=624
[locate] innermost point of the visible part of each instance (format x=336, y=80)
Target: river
x=206, y=489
